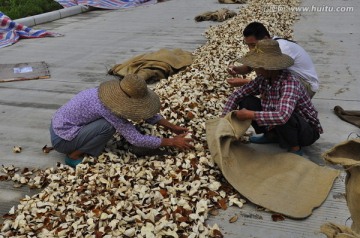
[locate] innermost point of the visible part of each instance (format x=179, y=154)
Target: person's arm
x=178, y=141
x=160, y=120
x=237, y=82
x=174, y=128
x=235, y=70
x=242, y=70
x=233, y=100
x=245, y=114
x=134, y=137
x=128, y=130
x=154, y=119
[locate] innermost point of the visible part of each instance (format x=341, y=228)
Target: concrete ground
x=96, y=40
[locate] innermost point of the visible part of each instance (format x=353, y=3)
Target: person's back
x=303, y=65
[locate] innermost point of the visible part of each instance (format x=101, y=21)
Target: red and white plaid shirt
x=278, y=100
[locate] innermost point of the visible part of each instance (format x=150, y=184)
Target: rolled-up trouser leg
x=91, y=139
x=254, y=104
x=296, y=132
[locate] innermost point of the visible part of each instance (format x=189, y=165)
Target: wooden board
x=23, y=71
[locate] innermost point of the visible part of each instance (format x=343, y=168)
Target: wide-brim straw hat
x=129, y=98
x=267, y=54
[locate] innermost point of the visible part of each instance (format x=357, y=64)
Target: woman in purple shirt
x=88, y=121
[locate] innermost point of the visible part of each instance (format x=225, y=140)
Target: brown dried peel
x=122, y=195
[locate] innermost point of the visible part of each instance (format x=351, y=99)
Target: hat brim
x=272, y=62
x=135, y=109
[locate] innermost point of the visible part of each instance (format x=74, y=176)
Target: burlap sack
x=332, y=230
x=219, y=15
x=155, y=65
x=350, y=116
x=347, y=154
x=284, y=183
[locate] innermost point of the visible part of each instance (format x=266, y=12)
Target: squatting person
x=86, y=123
x=303, y=66
x=283, y=110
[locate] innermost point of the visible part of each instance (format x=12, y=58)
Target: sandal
x=72, y=162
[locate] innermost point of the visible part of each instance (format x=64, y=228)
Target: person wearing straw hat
x=303, y=66
x=88, y=121
x=284, y=112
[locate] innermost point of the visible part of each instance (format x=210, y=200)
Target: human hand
x=232, y=70
x=236, y=82
x=179, y=129
x=181, y=142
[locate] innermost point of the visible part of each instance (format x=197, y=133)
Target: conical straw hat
x=267, y=54
x=129, y=98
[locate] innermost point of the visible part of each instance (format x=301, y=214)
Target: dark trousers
x=91, y=139
x=295, y=132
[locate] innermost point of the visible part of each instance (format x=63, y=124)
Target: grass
x=16, y=9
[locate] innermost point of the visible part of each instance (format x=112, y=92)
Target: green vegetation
x=16, y=9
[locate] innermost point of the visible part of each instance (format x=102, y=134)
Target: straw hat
x=267, y=54
x=129, y=98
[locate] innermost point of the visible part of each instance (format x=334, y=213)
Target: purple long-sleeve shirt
x=278, y=101
x=86, y=107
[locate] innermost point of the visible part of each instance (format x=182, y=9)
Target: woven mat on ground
x=154, y=66
x=11, y=32
x=347, y=154
x=284, y=183
x=219, y=15
x=106, y=4
x=233, y=1
x=352, y=117
x=23, y=71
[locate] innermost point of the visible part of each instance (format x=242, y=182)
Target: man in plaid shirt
x=284, y=112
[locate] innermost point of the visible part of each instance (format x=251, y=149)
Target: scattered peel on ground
x=121, y=195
